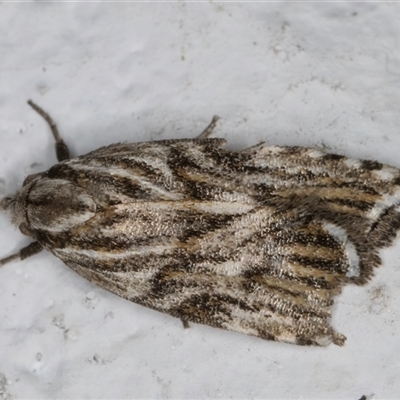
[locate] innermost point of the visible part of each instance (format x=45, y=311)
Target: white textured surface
x=312, y=74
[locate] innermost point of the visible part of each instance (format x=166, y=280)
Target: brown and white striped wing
x=255, y=241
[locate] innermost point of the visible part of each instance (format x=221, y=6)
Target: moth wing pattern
x=256, y=241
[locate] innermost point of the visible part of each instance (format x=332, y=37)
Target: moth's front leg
x=25, y=252
x=185, y=323
x=208, y=131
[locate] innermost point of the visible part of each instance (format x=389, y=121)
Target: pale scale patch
x=266, y=156
x=386, y=201
x=232, y=235
x=323, y=340
x=265, y=178
x=386, y=173
x=243, y=320
x=235, y=197
x=270, y=157
x=72, y=221
x=314, y=153
x=99, y=255
x=227, y=268
x=122, y=173
x=350, y=250
x=134, y=151
x=271, y=150
x=233, y=208
x=137, y=282
x=240, y=321
x=352, y=163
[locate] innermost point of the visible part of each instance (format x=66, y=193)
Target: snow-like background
x=325, y=75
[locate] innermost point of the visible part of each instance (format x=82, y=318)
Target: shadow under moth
x=256, y=241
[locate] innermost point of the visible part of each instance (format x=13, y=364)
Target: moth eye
x=25, y=230
x=5, y=202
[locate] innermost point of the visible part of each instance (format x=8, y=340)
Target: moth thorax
x=54, y=205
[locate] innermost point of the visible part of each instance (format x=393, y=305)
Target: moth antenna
x=62, y=151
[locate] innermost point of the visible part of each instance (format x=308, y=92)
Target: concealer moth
x=257, y=241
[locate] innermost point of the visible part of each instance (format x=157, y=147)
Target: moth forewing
x=256, y=241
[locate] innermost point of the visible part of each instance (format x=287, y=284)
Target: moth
x=257, y=241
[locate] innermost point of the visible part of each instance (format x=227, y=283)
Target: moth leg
x=25, y=252
x=253, y=148
x=208, y=131
x=185, y=323
x=62, y=151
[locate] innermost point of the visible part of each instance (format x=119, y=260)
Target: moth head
x=14, y=206
x=5, y=202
